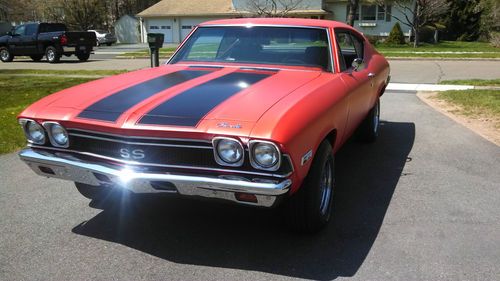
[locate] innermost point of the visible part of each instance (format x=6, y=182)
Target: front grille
x=172, y=153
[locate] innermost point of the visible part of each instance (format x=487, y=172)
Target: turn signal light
x=245, y=197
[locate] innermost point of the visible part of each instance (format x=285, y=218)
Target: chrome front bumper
x=66, y=166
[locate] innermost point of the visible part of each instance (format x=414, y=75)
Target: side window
x=359, y=46
x=347, y=51
x=19, y=30
x=31, y=29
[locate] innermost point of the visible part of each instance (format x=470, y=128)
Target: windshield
x=259, y=45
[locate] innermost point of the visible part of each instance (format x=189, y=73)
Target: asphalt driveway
x=420, y=204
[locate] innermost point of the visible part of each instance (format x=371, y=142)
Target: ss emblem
x=135, y=154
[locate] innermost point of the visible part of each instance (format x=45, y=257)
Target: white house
x=176, y=18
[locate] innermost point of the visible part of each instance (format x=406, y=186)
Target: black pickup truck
x=51, y=40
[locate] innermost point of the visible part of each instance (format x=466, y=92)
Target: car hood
x=175, y=96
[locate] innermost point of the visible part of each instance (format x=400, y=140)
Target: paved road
x=402, y=71
x=420, y=204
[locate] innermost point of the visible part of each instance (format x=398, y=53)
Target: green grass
x=427, y=50
x=474, y=102
x=61, y=72
x=472, y=82
x=17, y=93
x=164, y=52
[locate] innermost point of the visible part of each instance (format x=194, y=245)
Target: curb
x=427, y=87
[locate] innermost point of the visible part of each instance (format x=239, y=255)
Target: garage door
x=187, y=25
x=162, y=26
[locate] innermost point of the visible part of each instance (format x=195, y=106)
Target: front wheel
x=83, y=57
x=370, y=126
x=6, y=55
x=309, y=209
x=96, y=193
x=52, y=55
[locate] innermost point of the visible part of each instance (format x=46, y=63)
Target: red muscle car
x=246, y=110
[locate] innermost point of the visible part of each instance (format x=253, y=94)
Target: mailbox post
x=155, y=41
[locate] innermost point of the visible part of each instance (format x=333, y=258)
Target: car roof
x=278, y=21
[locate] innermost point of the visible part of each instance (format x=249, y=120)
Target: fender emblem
x=227, y=125
x=306, y=157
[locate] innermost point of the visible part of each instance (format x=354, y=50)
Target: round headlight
x=59, y=135
x=229, y=151
x=35, y=132
x=265, y=154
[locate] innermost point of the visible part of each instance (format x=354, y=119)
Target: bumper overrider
x=70, y=167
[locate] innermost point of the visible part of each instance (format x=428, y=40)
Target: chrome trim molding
x=139, y=143
x=68, y=167
x=254, y=163
x=136, y=137
x=217, y=156
x=135, y=163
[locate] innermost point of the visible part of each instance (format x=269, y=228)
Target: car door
x=29, y=39
x=357, y=79
x=15, y=42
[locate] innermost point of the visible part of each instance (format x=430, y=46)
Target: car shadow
x=228, y=236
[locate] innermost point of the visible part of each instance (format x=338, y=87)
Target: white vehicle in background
x=104, y=37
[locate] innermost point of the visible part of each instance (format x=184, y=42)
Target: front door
x=16, y=45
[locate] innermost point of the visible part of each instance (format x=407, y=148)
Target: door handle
x=371, y=74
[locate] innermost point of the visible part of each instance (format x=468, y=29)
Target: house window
x=187, y=27
x=369, y=12
x=381, y=12
x=153, y=27
x=388, y=9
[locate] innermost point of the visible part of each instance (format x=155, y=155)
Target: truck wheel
x=370, y=126
x=97, y=193
x=83, y=57
x=36, y=57
x=309, y=209
x=5, y=55
x=52, y=55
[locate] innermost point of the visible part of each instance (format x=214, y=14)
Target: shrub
x=373, y=39
x=495, y=39
x=396, y=36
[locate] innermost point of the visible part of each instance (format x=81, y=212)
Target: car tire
x=52, y=55
x=309, y=209
x=83, y=57
x=6, y=55
x=95, y=193
x=36, y=57
x=371, y=125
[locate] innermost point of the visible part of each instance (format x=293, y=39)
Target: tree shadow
x=228, y=236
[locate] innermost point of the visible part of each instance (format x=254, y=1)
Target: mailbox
x=155, y=41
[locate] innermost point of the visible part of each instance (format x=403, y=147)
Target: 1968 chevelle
x=246, y=110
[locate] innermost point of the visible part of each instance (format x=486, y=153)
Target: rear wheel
x=309, y=209
x=6, y=55
x=370, y=126
x=52, y=55
x=36, y=57
x=83, y=57
x=97, y=193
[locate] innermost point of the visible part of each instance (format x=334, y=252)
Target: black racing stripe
x=188, y=107
x=111, y=107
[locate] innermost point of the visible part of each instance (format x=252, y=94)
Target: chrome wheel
x=50, y=55
x=4, y=54
x=326, y=187
x=376, y=118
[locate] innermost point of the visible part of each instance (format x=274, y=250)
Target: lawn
x=17, y=93
x=474, y=103
x=445, y=49
x=61, y=72
x=472, y=82
x=164, y=53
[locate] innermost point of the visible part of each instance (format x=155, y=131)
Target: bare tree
x=418, y=14
x=353, y=7
x=273, y=8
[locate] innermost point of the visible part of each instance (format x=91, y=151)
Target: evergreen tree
x=463, y=21
x=396, y=36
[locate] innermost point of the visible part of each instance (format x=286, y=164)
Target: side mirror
x=358, y=64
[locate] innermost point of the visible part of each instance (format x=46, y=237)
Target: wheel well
x=331, y=137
